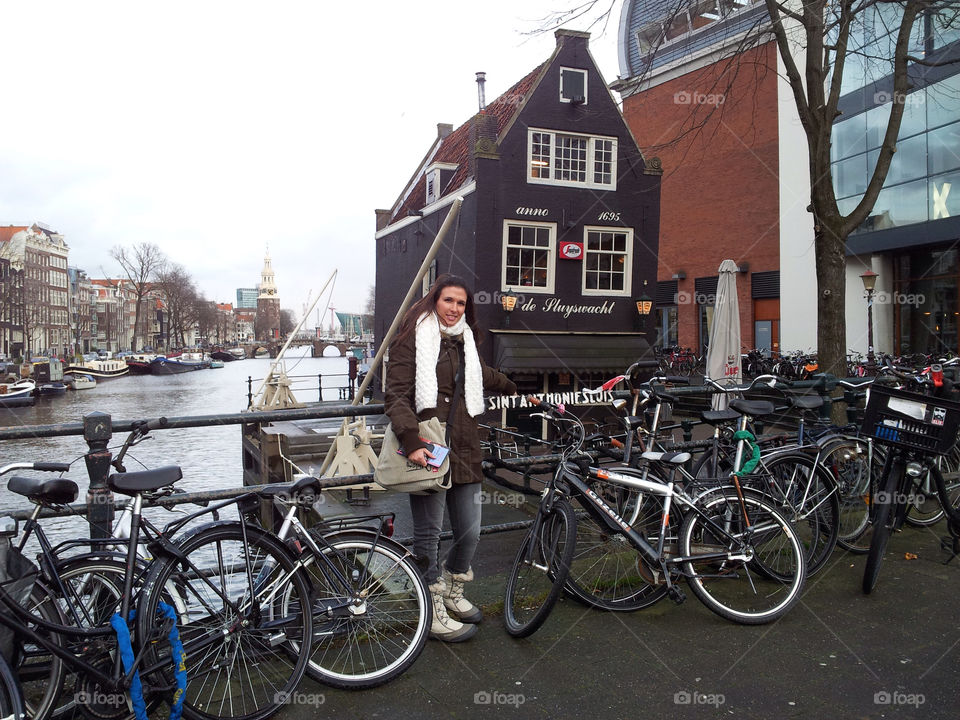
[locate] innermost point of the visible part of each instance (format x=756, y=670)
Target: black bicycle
x=738, y=553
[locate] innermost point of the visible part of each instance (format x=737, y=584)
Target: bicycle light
x=914, y=469
x=386, y=526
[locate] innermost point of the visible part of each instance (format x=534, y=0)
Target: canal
x=210, y=456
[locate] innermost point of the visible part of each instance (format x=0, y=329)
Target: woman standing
x=434, y=366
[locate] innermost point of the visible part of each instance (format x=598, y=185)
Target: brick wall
x=716, y=132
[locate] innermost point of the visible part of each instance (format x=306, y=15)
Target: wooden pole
x=414, y=287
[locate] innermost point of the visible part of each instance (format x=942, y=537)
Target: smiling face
x=451, y=304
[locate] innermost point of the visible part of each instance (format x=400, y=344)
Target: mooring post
x=97, y=431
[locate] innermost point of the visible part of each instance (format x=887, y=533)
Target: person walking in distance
x=435, y=371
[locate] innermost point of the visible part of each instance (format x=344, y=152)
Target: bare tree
x=179, y=296
x=206, y=318
x=813, y=39
x=287, y=321
x=142, y=264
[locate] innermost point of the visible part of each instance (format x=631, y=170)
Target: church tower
x=268, y=303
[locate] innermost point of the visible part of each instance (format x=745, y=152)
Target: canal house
x=557, y=234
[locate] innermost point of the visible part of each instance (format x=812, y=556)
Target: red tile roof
x=8, y=231
x=456, y=147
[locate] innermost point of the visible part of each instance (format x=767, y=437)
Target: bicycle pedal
x=676, y=594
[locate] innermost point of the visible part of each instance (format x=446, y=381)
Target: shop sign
x=571, y=250
x=573, y=399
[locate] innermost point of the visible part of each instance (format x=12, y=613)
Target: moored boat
x=227, y=355
x=216, y=364
x=238, y=353
x=17, y=393
x=99, y=369
x=81, y=382
x=139, y=364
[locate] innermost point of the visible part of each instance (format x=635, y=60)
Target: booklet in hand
x=439, y=453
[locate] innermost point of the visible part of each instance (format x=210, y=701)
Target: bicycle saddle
x=806, y=402
x=55, y=491
x=674, y=458
x=718, y=417
x=131, y=483
x=753, y=408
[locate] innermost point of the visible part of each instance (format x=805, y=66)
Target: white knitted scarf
x=428, y=351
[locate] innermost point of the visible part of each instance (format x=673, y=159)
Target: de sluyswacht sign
x=572, y=398
x=555, y=305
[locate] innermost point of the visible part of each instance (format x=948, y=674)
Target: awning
x=568, y=353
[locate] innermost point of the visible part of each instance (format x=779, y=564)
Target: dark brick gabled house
x=559, y=208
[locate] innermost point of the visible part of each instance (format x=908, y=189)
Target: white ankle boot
x=457, y=605
x=444, y=627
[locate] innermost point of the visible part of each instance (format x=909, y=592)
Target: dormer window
x=573, y=86
x=436, y=177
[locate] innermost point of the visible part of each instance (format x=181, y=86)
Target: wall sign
x=532, y=212
x=571, y=250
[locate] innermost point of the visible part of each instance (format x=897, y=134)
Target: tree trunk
x=831, y=284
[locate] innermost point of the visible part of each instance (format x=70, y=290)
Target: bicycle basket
x=17, y=575
x=911, y=420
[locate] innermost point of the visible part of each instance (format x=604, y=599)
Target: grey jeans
x=463, y=503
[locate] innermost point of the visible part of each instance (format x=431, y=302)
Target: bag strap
x=457, y=392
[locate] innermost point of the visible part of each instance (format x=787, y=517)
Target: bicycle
x=233, y=592
x=916, y=428
x=738, y=553
x=11, y=696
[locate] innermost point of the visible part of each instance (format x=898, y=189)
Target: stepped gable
x=457, y=147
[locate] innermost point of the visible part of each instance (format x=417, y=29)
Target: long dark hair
x=428, y=303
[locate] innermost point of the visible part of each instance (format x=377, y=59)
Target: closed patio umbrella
x=723, y=354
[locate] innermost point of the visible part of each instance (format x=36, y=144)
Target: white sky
x=214, y=128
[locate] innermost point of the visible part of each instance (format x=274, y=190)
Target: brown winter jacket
x=465, y=455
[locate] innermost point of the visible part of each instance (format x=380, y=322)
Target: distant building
x=83, y=315
x=247, y=298
x=11, y=310
x=41, y=253
x=268, y=304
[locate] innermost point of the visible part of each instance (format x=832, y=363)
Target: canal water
x=210, y=456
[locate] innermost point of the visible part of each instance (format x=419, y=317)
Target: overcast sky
x=216, y=128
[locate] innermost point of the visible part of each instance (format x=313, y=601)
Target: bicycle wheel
x=245, y=654
x=808, y=495
x=882, y=522
x=372, y=629
x=764, y=569
x=604, y=569
x=849, y=462
x=539, y=570
x=11, y=697
x=40, y=673
x=925, y=509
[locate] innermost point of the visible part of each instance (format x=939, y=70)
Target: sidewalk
x=837, y=654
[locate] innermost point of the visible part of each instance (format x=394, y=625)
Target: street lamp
x=869, y=279
x=508, y=301
x=644, y=306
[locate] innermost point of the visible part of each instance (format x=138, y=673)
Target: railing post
x=249, y=391
x=97, y=431
x=320, y=386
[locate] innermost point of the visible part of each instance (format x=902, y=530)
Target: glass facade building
x=914, y=227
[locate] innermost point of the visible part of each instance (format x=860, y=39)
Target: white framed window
x=529, y=256
x=607, y=260
x=571, y=159
x=433, y=181
x=573, y=86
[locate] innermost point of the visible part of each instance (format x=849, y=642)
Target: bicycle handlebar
x=40, y=466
